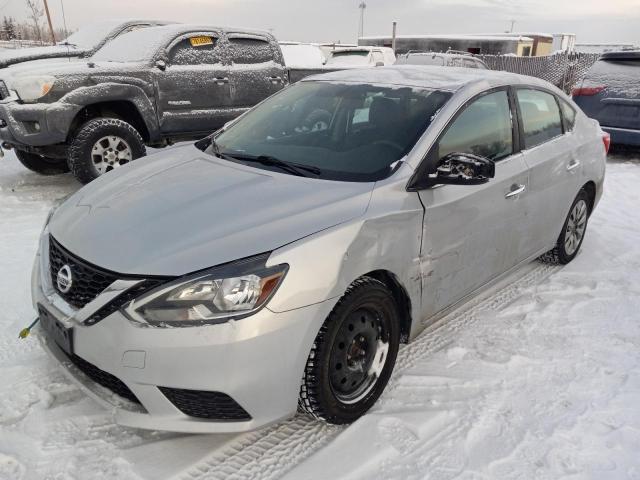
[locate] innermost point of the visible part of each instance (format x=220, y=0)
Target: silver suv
x=280, y=263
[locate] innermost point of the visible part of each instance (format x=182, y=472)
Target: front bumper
x=257, y=361
x=35, y=124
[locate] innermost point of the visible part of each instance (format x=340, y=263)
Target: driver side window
x=484, y=128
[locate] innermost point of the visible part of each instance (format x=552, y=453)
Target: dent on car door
x=194, y=90
x=553, y=160
x=473, y=233
x=255, y=71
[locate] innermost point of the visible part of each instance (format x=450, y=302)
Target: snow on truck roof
x=428, y=76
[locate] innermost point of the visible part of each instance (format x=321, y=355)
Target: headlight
x=218, y=295
x=30, y=89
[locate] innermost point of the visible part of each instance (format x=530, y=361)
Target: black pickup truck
x=81, y=44
x=149, y=87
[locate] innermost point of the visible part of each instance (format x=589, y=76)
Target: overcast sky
x=332, y=20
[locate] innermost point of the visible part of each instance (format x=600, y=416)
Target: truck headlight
x=32, y=88
x=232, y=291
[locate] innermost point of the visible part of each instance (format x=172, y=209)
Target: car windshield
x=90, y=36
x=349, y=57
x=344, y=131
x=135, y=46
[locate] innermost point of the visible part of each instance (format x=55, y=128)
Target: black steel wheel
x=42, y=165
x=353, y=355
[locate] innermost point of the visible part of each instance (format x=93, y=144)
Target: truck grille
x=88, y=280
x=4, y=91
x=209, y=405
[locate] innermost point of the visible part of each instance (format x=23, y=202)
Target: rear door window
x=541, y=119
x=569, y=115
x=244, y=49
x=195, y=50
x=484, y=128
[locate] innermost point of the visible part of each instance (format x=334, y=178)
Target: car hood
x=19, y=55
x=181, y=211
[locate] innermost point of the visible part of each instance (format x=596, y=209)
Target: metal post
x=362, y=7
x=393, y=37
x=46, y=9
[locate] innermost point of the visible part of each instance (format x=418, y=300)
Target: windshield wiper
x=293, y=168
x=67, y=44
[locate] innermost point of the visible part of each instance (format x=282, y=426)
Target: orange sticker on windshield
x=200, y=41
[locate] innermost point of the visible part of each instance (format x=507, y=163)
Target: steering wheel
x=389, y=144
x=317, y=120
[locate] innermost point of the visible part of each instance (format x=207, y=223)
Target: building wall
x=404, y=44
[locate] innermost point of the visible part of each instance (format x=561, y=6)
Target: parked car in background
x=302, y=55
x=149, y=87
x=220, y=286
x=350, y=57
x=610, y=93
x=81, y=44
x=448, y=59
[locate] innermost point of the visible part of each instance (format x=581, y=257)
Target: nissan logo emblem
x=64, y=279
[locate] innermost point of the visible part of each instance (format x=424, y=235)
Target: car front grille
x=103, y=378
x=88, y=281
x=4, y=91
x=209, y=405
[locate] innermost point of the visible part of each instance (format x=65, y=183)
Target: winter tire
x=42, y=165
x=572, y=235
x=353, y=354
x=102, y=145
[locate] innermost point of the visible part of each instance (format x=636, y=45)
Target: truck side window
x=197, y=50
x=483, y=128
x=249, y=50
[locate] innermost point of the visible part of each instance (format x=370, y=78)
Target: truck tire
x=353, y=354
x=101, y=145
x=42, y=165
x=573, y=231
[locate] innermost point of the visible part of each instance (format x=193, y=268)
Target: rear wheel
x=572, y=234
x=102, y=145
x=353, y=354
x=42, y=165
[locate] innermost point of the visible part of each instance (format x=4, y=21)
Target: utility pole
x=46, y=9
x=362, y=7
x=513, y=22
x=393, y=37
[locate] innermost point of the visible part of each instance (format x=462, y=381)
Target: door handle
x=221, y=80
x=573, y=164
x=515, y=191
x=275, y=79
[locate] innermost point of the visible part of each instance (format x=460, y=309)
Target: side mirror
x=464, y=169
x=161, y=65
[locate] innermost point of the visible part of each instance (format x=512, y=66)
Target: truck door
x=257, y=69
x=194, y=90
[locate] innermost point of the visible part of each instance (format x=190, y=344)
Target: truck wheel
x=102, y=145
x=353, y=354
x=42, y=165
x=573, y=231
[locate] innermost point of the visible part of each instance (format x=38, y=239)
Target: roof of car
x=174, y=29
x=427, y=76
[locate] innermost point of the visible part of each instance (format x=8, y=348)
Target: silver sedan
x=279, y=263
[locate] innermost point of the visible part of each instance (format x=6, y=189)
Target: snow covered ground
x=538, y=379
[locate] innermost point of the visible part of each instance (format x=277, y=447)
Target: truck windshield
x=343, y=131
x=349, y=58
x=90, y=36
x=135, y=46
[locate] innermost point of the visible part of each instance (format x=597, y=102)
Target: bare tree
x=35, y=14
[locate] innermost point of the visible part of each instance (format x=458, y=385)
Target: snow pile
x=540, y=378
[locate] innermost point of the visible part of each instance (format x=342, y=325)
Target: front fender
x=323, y=265
x=117, y=92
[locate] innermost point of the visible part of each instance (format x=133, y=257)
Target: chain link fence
x=563, y=69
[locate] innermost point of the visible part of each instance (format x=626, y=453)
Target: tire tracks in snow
x=273, y=451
